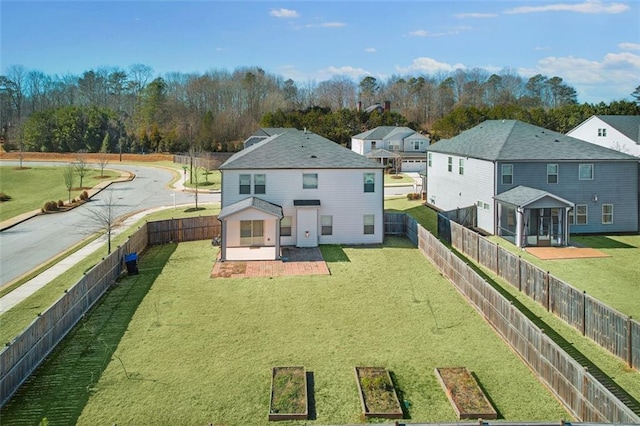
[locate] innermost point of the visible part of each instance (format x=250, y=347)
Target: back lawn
x=199, y=350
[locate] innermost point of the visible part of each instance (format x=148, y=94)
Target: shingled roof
x=297, y=149
x=387, y=132
x=513, y=140
x=628, y=125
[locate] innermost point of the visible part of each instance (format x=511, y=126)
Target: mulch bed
x=464, y=393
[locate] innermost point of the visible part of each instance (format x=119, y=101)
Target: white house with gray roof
x=297, y=188
x=534, y=186
x=388, y=143
x=619, y=132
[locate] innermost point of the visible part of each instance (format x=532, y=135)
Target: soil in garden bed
x=378, y=391
x=289, y=394
x=465, y=393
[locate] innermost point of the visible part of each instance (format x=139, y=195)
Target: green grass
x=212, y=181
x=400, y=178
x=31, y=187
x=20, y=316
x=612, y=280
x=199, y=350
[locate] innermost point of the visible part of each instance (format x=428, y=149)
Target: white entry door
x=307, y=227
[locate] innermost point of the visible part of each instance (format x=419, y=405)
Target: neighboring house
x=534, y=186
x=262, y=134
x=619, y=132
x=383, y=142
x=299, y=189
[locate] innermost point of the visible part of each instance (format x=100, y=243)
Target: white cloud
x=612, y=77
x=284, y=13
x=346, y=70
x=428, y=65
x=425, y=33
x=370, y=50
x=327, y=25
x=629, y=46
x=589, y=6
x=475, y=15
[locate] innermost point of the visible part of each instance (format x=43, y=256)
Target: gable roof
x=522, y=196
x=251, y=202
x=297, y=149
x=389, y=132
x=513, y=140
x=381, y=153
x=628, y=125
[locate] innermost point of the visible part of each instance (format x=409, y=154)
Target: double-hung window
x=259, y=184
x=310, y=181
x=578, y=216
x=552, y=173
x=326, y=224
x=429, y=159
x=607, y=214
x=507, y=174
x=369, y=224
x=449, y=164
x=461, y=166
x=285, y=226
x=369, y=182
x=245, y=184
x=602, y=132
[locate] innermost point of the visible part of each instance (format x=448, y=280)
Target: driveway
x=33, y=242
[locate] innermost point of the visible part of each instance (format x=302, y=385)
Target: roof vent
x=313, y=156
x=556, y=140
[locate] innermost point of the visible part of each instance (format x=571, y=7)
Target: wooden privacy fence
x=612, y=330
x=20, y=357
x=585, y=397
x=185, y=229
x=401, y=224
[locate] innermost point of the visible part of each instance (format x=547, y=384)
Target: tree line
x=111, y=109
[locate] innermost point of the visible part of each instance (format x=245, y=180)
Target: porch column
x=519, y=226
x=277, y=221
x=223, y=241
x=566, y=225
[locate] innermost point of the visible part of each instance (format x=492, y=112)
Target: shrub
x=60, y=203
x=73, y=201
x=50, y=206
x=413, y=196
x=85, y=194
x=4, y=197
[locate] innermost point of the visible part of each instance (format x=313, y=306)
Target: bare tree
x=103, y=161
x=68, y=172
x=81, y=167
x=103, y=214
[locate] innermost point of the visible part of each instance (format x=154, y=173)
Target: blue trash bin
x=131, y=260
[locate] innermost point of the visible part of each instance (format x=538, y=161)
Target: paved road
x=33, y=242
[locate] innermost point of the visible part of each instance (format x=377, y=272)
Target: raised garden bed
x=288, y=394
x=465, y=394
x=377, y=393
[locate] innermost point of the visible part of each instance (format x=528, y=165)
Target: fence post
x=584, y=313
x=546, y=288
x=478, y=248
x=497, y=259
x=629, y=343
x=519, y=274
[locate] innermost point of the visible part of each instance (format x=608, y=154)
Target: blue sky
x=593, y=45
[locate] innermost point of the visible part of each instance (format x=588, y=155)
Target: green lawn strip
x=200, y=350
x=20, y=316
x=211, y=181
x=609, y=279
x=31, y=187
x=575, y=343
x=400, y=178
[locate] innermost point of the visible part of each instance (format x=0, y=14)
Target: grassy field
x=31, y=187
x=400, y=178
x=173, y=346
x=611, y=280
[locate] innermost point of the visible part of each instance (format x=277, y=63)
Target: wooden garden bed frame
x=465, y=394
x=375, y=383
x=289, y=377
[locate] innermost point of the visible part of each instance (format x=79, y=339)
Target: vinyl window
x=285, y=226
x=585, y=171
x=326, y=225
x=507, y=174
x=449, y=164
x=607, y=214
x=552, y=173
x=310, y=181
x=245, y=184
x=579, y=215
x=259, y=184
x=461, y=166
x=369, y=182
x=369, y=224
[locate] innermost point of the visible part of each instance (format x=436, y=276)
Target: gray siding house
x=534, y=186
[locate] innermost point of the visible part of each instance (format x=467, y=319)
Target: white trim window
x=259, y=184
x=369, y=221
x=369, y=182
x=579, y=215
x=310, y=181
x=585, y=171
x=461, y=166
x=285, y=226
x=429, y=159
x=416, y=145
x=449, y=164
x=326, y=225
x=607, y=214
x=552, y=173
x=506, y=174
x=245, y=184
x=251, y=232
x=602, y=133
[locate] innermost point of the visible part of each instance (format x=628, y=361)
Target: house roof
x=262, y=134
x=513, y=140
x=628, y=125
x=297, y=149
x=389, y=133
x=522, y=196
x=381, y=153
x=251, y=202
